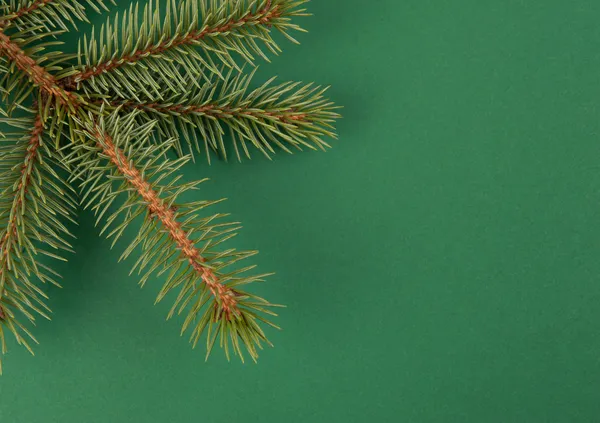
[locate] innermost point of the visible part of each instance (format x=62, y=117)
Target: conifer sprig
x=175, y=238
x=192, y=39
x=104, y=121
x=290, y=115
x=35, y=205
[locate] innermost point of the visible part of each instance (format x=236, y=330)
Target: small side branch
x=166, y=216
x=217, y=111
x=10, y=236
x=263, y=16
x=25, y=10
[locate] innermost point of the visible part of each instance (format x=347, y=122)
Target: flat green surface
x=440, y=264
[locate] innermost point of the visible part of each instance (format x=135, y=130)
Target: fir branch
x=34, y=202
x=8, y=241
x=109, y=122
x=286, y=115
x=174, y=239
x=262, y=16
x=216, y=111
x=157, y=208
x=193, y=35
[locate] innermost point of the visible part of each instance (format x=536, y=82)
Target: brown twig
x=263, y=16
x=167, y=217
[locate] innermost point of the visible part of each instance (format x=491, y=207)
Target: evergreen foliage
x=111, y=127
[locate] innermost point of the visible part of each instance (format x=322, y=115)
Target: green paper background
x=440, y=264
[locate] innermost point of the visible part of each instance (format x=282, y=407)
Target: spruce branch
x=108, y=116
x=15, y=210
x=228, y=27
x=174, y=238
x=286, y=115
x=34, y=201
